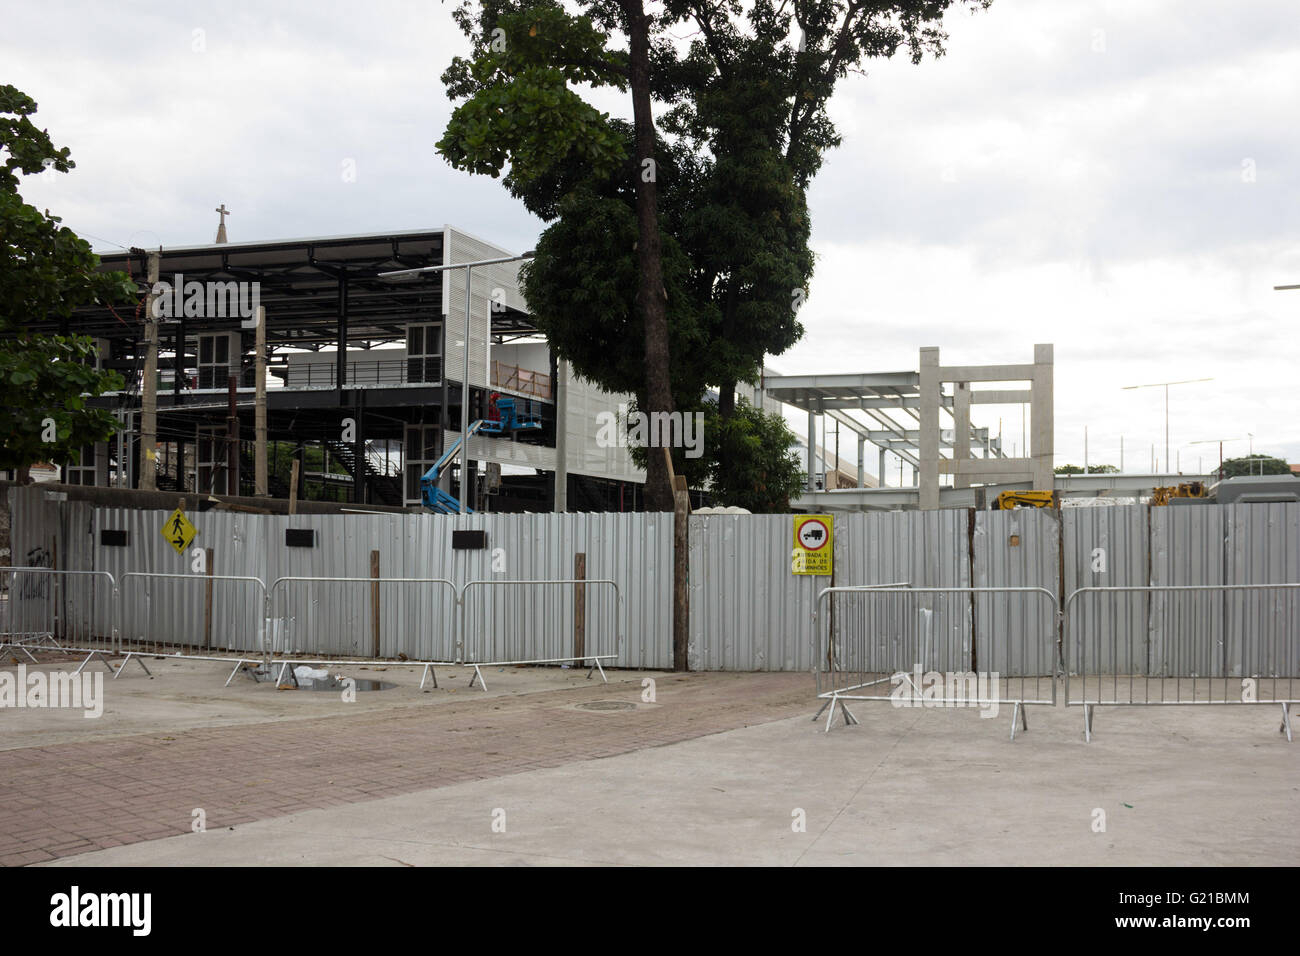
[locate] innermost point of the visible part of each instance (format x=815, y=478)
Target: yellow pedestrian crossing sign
x=178, y=531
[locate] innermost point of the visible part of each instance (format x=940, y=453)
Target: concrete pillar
x=929, y=446
x=961, y=435
x=1041, y=419
x=812, y=443
x=560, y=394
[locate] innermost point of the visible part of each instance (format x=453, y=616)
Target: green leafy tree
x=46, y=272
x=762, y=471
x=1255, y=465
x=697, y=246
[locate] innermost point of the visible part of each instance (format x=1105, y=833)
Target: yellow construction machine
x=1022, y=499
x=1188, y=489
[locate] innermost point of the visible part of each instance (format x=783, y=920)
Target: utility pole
x=149, y=393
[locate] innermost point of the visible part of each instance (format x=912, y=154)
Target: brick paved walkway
x=72, y=798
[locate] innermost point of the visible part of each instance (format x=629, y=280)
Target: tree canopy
x=708, y=207
x=1255, y=465
x=46, y=272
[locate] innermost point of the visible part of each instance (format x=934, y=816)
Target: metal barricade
x=389, y=618
x=931, y=646
x=1160, y=645
x=70, y=612
x=514, y=643
x=191, y=616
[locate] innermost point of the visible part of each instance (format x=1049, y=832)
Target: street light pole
x=1165, y=385
x=466, y=483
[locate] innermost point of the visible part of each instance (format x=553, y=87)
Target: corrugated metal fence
x=748, y=611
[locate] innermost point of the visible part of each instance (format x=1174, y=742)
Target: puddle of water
x=333, y=684
x=607, y=705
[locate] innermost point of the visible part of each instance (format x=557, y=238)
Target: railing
x=520, y=379
x=917, y=647
x=523, y=641
x=1183, y=645
x=367, y=619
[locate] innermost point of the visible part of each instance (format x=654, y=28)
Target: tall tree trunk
x=651, y=295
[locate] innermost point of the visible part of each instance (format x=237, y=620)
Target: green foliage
x=744, y=110
x=43, y=386
x=756, y=467
x=1255, y=465
x=1092, y=470
x=749, y=459
x=46, y=272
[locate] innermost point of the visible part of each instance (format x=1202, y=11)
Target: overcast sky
x=1118, y=178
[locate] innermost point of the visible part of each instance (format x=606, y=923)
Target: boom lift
x=509, y=420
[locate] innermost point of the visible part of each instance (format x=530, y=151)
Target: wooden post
x=681, y=555
x=293, y=488
x=207, y=599
x=579, y=605
x=374, y=600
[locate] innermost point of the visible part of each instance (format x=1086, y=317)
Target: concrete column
x=1041, y=419
x=812, y=443
x=961, y=435
x=560, y=393
x=929, y=446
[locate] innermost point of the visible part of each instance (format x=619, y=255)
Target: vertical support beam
x=149, y=390
x=374, y=601
x=259, y=409
x=444, y=407
x=341, y=341
x=178, y=367
x=961, y=432
x=466, y=480
x=880, y=473
x=579, y=605
x=929, y=445
x=359, y=451
x=293, y=485
x=862, y=462
x=812, y=443
x=232, y=438
x=1041, y=419
x=560, y=390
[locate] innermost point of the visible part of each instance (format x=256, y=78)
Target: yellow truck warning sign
x=814, y=544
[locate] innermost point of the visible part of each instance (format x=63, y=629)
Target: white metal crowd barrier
x=238, y=620
x=1181, y=645
x=69, y=612
x=934, y=646
x=198, y=617
x=340, y=626
x=499, y=645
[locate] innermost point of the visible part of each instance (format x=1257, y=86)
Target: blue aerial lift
x=509, y=419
